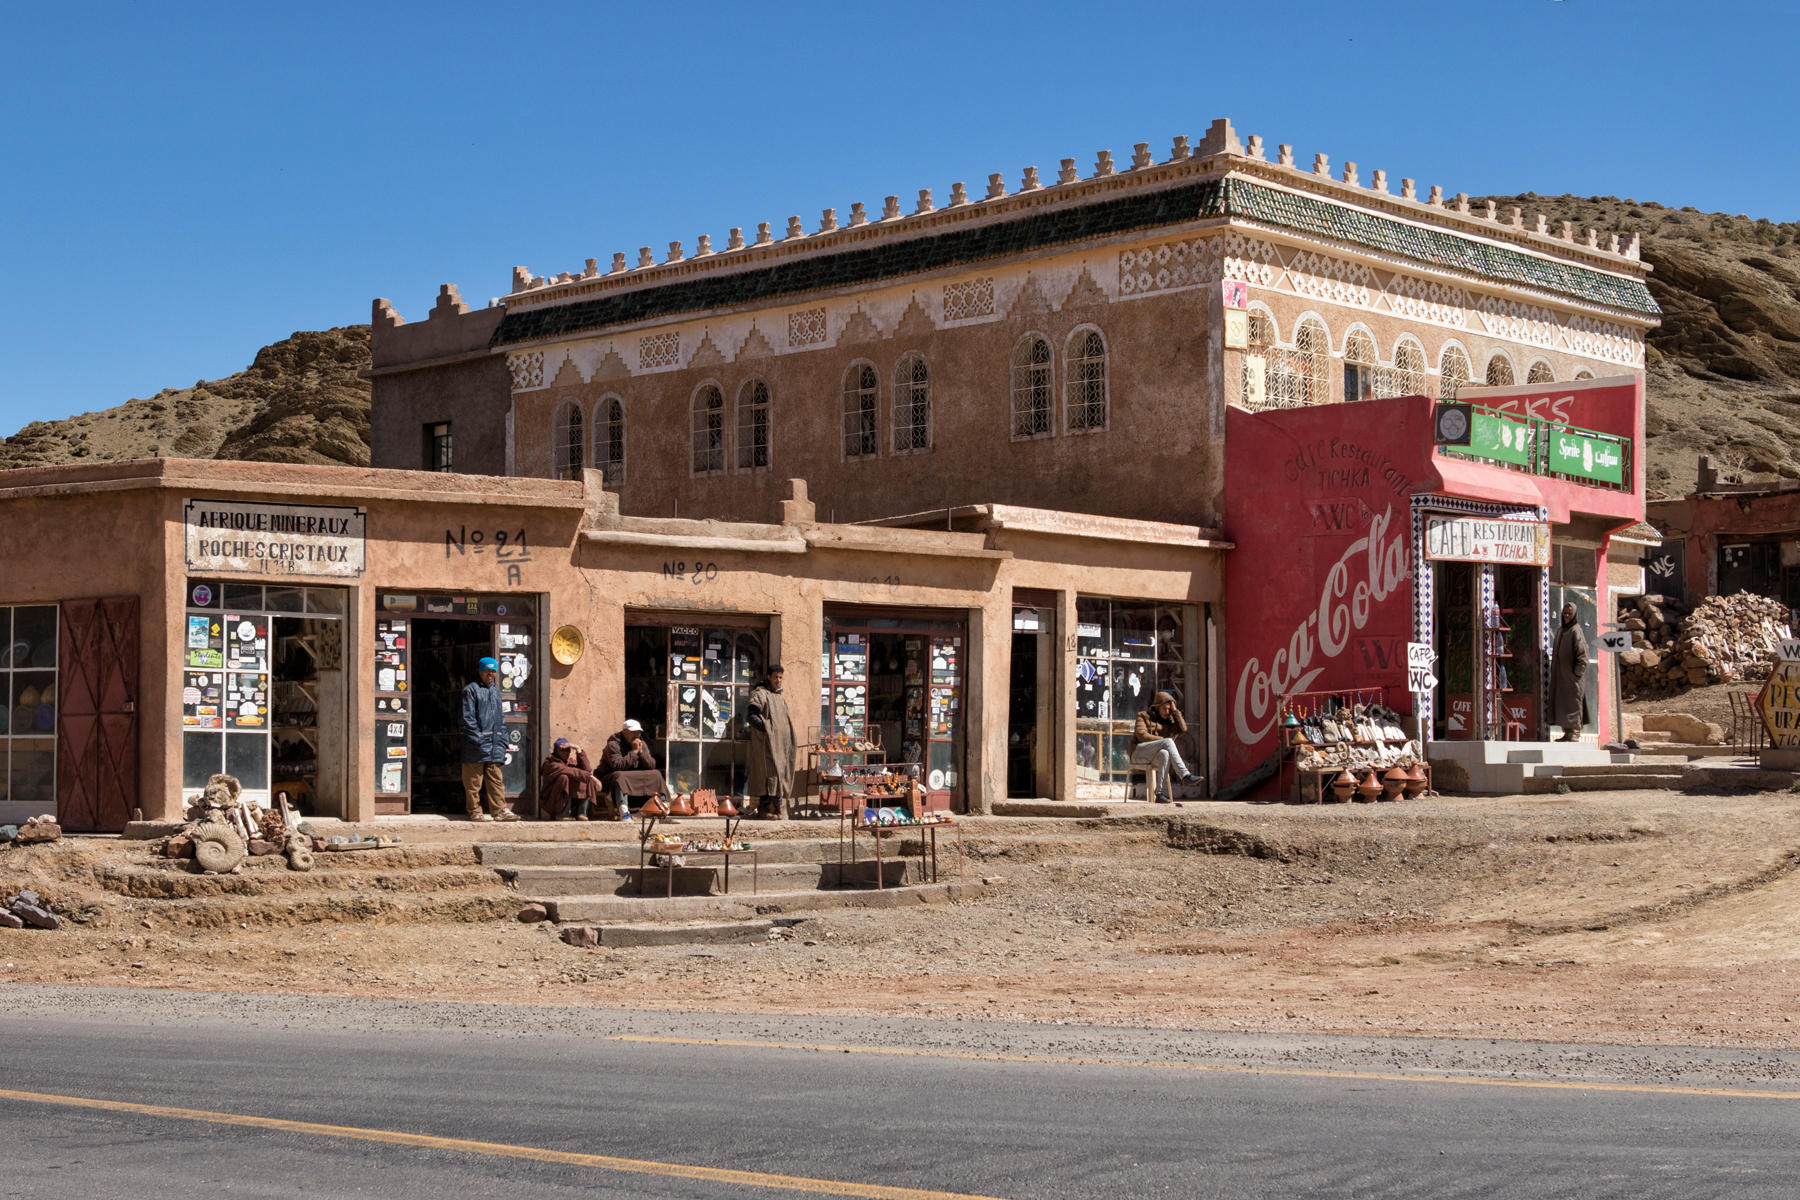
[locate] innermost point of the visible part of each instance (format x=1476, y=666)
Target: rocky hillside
x=300, y=401
x=1724, y=369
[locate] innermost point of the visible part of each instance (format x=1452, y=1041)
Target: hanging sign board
x=1418, y=667
x=1790, y=648
x=1614, y=643
x=1480, y=539
x=1586, y=457
x=274, y=539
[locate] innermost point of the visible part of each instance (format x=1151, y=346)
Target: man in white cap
x=627, y=769
x=484, y=746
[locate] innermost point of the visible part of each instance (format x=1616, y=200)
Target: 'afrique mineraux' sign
x=274, y=539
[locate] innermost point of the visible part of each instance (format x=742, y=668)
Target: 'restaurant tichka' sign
x=1478, y=539
x=275, y=539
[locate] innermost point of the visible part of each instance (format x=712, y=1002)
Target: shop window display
x=28, y=696
x=689, y=685
x=1126, y=652
x=896, y=680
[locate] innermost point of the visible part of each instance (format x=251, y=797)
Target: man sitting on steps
x=1153, y=744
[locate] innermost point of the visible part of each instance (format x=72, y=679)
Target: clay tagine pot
x=684, y=807
x=1393, y=784
x=726, y=807
x=656, y=806
x=1416, y=782
x=1368, y=789
x=1342, y=786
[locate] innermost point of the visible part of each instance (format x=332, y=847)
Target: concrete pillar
x=1062, y=718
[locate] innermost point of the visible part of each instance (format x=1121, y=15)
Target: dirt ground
x=1624, y=917
x=1710, y=703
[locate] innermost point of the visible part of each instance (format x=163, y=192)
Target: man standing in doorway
x=1153, y=744
x=771, y=746
x=1568, y=677
x=484, y=746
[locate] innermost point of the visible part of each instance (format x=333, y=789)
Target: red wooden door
x=96, y=715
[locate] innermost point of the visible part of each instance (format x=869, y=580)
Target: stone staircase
x=601, y=882
x=1505, y=768
x=1625, y=776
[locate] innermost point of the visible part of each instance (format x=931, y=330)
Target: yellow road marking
x=1219, y=1068
x=602, y=1162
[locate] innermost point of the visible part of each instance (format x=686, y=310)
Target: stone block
x=8, y=921
x=1449, y=775
x=585, y=937
x=531, y=914
x=1685, y=727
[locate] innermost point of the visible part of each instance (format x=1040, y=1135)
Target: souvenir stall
x=893, y=684
x=1408, y=585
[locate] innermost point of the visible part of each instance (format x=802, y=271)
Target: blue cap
x=488, y=664
x=561, y=742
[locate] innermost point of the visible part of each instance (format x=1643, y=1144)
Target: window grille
x=438, y=448
x=1499, y=371
x=862, y=409
x=609, y=440
x=1453, y=372
x=1540, y=373
x=753, y=426
x=709, y=431
x=912, y=404
x=1407, y=377
x=1580, y=375
x=571, y=441
x=1031, y=388
x=1359, y=367
x=1300, y=376
x=1084, y=378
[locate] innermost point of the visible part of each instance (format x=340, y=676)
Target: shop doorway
x=1519, y=679
x=427, y=649
x=898, y=677
x=1453, y=621
x=307, y=717
x=1028, y=733
x=688, y=685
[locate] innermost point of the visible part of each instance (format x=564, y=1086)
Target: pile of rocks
x=28, y=908
x=38, y=829
x=1725, y=639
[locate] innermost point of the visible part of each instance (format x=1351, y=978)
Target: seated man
x=627, y=769
x=1153, y=744
x=566, y=782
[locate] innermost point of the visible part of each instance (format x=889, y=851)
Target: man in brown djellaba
x=771, y=746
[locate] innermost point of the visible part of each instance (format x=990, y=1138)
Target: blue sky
x=186, y=183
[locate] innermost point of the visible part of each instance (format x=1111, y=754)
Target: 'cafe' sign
x=1480, y=539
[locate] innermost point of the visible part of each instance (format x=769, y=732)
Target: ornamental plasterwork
x=659, y=350
x=969, y=298
x=806, y=328
x=527, y=370
x=1167, y=267
x=1313, y=275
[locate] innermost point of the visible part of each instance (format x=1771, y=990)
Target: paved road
x=231, y=1095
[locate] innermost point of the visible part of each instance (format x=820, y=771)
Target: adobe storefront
x=1358, y=537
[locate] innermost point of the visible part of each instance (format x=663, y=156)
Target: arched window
x=1540, y=373
x=1580, y=375
x=1304, y=373
x=753, y=426
x=1084, y=382
x=1259, y=353
x=1407, y=377
x=1359, y=366
x=1031, y=393
x=609, y=439
x=1453, y=372
x=912, y=404
x=862, y=412
x=1499, y=371
x=571, y=442
x=708, y=424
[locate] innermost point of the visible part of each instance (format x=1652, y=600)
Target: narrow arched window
x=708, y=423
x=1084, y=382
x=571, y=442
x=1453, y=372
x=1311, y=362
x=1031, y=388
x=609, y=439
x=1407, y=377
x=1499, y=371
x=1540, y=373
x=1580, y=375
x=1259, y=358
x=1359, y=366
x=912, y=404
x=753, y=426
x=862, y=412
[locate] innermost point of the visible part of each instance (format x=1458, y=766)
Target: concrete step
x=1672, y=770
x=1691, y=750
x=701, y=877
x=687, y=933
x=1648, y=737
x=1538, y=785
x=625, y=853
x=745, y=905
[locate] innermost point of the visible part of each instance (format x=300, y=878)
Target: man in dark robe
x=628, y=768
x=1568, y=677
x=566, y=783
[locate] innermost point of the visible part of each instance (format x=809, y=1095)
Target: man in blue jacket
x=484, y=746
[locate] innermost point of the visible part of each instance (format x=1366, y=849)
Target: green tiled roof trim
x=1310, y=215
x=1210, y=198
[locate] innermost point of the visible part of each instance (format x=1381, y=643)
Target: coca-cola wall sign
x=1319, y=589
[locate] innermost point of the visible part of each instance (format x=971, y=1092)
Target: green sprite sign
x=1500, y=438
x=1585, y=457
